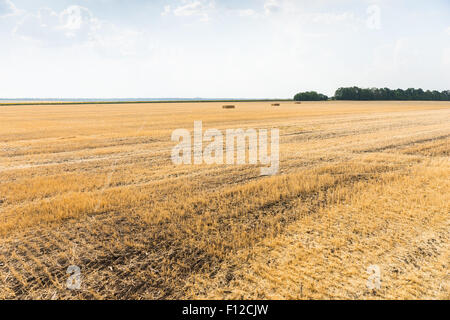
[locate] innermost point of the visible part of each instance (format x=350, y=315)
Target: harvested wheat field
x=360, y=184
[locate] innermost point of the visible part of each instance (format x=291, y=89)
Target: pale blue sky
x=219, y=48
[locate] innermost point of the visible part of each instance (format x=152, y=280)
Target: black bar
x=223, y=309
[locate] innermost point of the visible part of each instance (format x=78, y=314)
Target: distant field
x=360, y=184
x=119, y=101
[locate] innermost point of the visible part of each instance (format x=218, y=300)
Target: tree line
x=356, y=93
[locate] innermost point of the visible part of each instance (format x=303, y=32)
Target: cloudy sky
x=219, y=48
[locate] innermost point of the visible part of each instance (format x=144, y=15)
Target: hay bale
x=229, y=107
x=275, y=104
x=298, y=102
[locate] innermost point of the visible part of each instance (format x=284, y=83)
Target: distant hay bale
x=298, y=102
x=275, y=104
x=229, y=107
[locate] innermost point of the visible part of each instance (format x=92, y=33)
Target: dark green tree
x=310, y=96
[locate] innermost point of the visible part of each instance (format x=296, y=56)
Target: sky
x=219, y=48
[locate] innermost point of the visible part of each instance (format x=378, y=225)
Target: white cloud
x=271, y=6
x=200, y=8
x=448, y=31
x=7, y=8
x=292, y=11
x=76, y=18
x=73, y=25
x=77, y=26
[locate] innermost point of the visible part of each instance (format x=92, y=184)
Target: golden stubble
x=360, y=184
